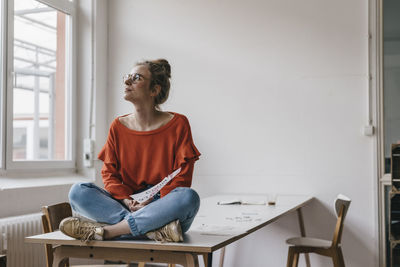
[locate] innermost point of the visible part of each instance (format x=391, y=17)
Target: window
x=39, y=86
x=2, y=75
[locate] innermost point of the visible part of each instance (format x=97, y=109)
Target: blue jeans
x=95, y=203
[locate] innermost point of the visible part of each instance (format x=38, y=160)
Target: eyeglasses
x=133, y=78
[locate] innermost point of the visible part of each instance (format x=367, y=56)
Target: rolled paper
x=149, y=193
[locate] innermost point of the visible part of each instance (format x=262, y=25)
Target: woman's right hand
x=133, y=205
x=126, y=202
x=130, y=203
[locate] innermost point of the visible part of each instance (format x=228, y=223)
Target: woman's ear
x=156, y=90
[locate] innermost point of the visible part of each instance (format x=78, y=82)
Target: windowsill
x=27, y=182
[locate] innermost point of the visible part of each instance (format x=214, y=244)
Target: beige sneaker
x=83, y=230
x=171, y=232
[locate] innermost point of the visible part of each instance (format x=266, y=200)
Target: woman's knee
x=77, y=191
x=189, y=197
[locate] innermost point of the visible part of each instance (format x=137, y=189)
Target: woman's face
x=137, y=85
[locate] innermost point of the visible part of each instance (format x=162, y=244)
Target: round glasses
x=133, y=78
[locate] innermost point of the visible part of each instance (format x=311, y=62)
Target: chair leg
x=205, y=259
x=335, y=258
x=222, y=257
x=65, y=262
x=290, y=257
x=296, y=259
x=340, y=257
x=171, y=265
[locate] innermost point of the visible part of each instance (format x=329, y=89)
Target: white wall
x=276, y=95
x=100, y=68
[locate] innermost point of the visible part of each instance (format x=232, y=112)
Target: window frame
x=3, y=83
x=68, y=8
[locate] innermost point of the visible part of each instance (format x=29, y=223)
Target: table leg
x=209, y=260
x=303, y=234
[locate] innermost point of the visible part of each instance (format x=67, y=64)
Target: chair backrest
x=342, y=204
x=51, y=218
x=56, y=213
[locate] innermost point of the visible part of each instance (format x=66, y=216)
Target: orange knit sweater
x=135, y=159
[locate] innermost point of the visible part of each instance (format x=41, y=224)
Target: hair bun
x=160, y=75
x=164, y=63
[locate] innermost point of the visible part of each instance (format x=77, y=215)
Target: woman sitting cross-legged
x=141, y=149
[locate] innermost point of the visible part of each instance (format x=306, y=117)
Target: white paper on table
x=223, y=230
x=145, y=195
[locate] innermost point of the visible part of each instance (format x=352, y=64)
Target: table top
x=214, y=227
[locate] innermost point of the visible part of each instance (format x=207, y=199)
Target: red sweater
x=134, y=159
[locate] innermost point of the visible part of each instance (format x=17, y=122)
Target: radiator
x=13, y=231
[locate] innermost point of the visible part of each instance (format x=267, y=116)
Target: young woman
x=141, y=149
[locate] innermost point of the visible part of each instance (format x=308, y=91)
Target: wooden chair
x=51, y=218
x=320, y=246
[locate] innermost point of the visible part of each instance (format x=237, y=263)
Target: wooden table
x=215, y=227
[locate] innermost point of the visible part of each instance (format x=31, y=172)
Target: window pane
x=1, y=79
x=40, y=113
